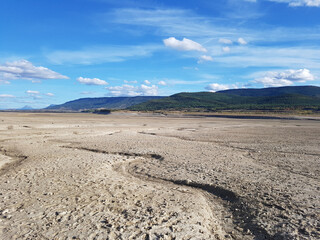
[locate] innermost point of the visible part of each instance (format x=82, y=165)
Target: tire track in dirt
x=242, y=213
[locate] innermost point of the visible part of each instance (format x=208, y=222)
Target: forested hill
x=298, y=97
x=275, y=91
x=104, y=102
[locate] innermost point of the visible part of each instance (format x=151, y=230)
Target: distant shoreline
x=257, y=117
x=181, y=114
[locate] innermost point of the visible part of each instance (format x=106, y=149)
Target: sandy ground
x=122, y=176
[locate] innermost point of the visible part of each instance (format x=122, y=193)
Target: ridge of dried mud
x=82, y=176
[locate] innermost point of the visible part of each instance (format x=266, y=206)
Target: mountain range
x=103, y=102
x=275, y=98
x=280, y=98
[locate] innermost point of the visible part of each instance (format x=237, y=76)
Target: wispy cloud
x=300, y=3
x=102, y=54
x=24, y=69
x=164, y=22
x=162, y=83
x=4, y=82
x=205, y=58
x=211, y=33
x=225, y=41
x=275, y=56
x=6, y=96
x=32, y=92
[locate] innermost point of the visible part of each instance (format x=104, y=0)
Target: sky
x=56, y=51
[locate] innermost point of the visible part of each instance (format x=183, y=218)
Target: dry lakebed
x=140, y=176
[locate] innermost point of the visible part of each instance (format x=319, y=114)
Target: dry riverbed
x=132, y=176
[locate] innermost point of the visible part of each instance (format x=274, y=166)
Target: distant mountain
x=304, y=97
x=105, y=102
x=52, y=105
x=26, y=107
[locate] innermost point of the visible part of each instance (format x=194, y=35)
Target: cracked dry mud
x=131, y=176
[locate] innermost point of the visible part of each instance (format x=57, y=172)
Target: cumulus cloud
x=24, y=69
x=205, y=58
x=225, y=41
x=285, y=78
x=300, y=3
x=242, y=41
x=162, y=83
x=147, y=82
x=6, y=96
x=226, y=49
x=91, y=81
x=129, y=90
x=213, y=87
x=184, y=45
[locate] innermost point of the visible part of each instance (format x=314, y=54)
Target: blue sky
x=55, y=51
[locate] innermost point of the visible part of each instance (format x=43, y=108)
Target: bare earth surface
x=130, y=176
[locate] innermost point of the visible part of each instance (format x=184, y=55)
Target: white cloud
x=213, y=87
x=184, y=45
x=24, y=69
x=225, y=41
x=285, y=78
x=129, y=90
x=149, y=90
x=33, y=92
x=6, y=96
x=91, y=81
x=102, y=54
x=147, y=82
x=300, y=3
x=226, y=49
x=242, y=41
x=162, y=83
x=49, y=94
x=205, y=58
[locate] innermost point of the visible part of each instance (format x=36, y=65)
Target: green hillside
x=275, y=91
x=239, y=99
x=105, y=102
